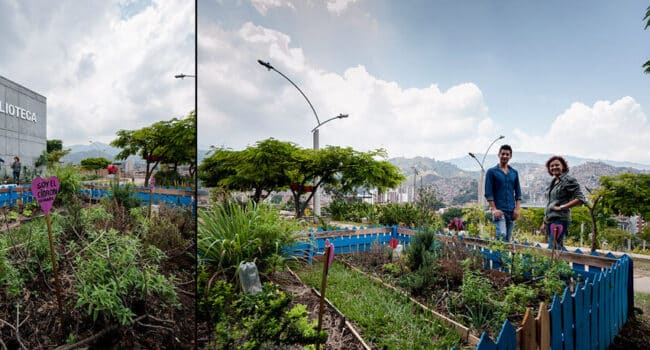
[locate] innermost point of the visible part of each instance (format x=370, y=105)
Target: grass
x=642, y=300
x=386, y=318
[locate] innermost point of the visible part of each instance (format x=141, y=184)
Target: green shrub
x=262, y=320
x=115, y=273
x=516, y=299
x=69, y=183
x=229, y=234
x=124, y=195
x=352, y=211
x=396, y=214
x=163, y=233
x=171, y=178
x=421, y=244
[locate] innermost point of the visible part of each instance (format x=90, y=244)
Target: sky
x=434, y=78
x=103, y=65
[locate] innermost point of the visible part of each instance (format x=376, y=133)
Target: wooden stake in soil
x=45, y=190
x=329, y=257
x=152, y=183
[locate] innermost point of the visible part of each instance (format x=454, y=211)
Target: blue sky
x=428, y=78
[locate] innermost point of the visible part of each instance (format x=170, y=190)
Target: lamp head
x=267, y=65
x=341, y=116
x=501, y=137
x=471, y=155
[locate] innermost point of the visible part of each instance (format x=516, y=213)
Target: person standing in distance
x=503, y=193
x=15, y=166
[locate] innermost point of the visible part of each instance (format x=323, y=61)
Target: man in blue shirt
x=503, y=193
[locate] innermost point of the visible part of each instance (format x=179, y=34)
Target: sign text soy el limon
x=18, y=112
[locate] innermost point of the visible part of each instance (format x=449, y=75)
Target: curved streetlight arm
x=182, y=76
x=476, y=159
x=340, y=116
x=268, y=66
x=488, y=149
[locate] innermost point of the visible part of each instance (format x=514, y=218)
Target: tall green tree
x=273, y=165
x=180, y=147
x=52, y=155
x=171, y=142
x=260, y=168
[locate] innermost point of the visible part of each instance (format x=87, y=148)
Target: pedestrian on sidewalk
x=563, y=193
x=503, y=193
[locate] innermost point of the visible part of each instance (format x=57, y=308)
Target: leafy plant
x=124, y=195
x=263, y=320
x=229, y=234
x=396, y=214
x=115, y=274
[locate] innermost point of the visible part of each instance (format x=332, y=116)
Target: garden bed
x=90, y=244
x=386, y=319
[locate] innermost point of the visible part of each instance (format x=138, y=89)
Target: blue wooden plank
x=594, y=317
x=581, y=318
x=568, y=320
x=485, y=343
x=555, y=314
x=507, y=339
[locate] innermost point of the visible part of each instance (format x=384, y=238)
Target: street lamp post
x=481, y=184
x=415, y=175
x=316, y=195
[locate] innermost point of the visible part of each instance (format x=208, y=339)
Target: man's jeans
x=504, y=226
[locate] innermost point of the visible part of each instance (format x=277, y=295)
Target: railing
x=11, y=195
x=588, y=318
x=169, y=195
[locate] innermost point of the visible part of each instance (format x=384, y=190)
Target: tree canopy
x=95, y=163
x=627, y=194
x=273, y=165
x=171, y=142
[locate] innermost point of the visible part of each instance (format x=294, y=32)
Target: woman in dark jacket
x=563, y=193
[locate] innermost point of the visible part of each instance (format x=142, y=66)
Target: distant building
x=23, y=123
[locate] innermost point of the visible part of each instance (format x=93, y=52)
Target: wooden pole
x=150, y=199
x=54, y=269
x=322, y=290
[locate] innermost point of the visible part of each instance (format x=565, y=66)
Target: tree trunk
x=594, y=235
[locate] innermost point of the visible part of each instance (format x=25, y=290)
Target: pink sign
x=45, y=190
x=331, y=257
x=556, y=230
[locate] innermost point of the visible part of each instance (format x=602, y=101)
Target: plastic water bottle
x=249, y=277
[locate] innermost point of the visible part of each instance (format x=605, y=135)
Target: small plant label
x=45, y=190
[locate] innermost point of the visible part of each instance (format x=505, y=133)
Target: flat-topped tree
x=273, y=165
x=163, y=142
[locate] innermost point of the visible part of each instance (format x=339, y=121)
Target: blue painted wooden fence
x=587, y=318
x=169, y=195
x=11, y=195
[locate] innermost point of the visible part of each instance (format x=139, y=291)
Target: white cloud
x=606, y=130
x=338, y=6
x=103, y=68
x=250, y=103
x=263, y=6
